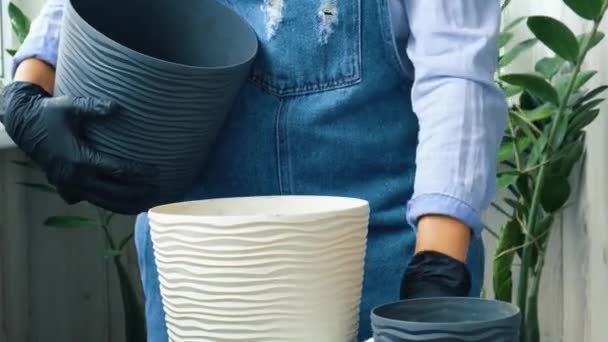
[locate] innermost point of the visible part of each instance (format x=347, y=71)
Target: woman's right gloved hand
x=49, y=130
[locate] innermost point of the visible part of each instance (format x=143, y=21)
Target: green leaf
x=561, y=82
x=592, y=40
x=555, y=193
x=511, y=238
x=556, y=36
x=504, y=38
x=511, y=91
x=513, y=172
x=536, y=85
x=588, y=9
x=39, y=187
x=549, y=66
x=523, y=187
x=70, y=222
x=536, y=153
x=529, y=102
x=543, y=112
x=26, y=164
x=560, y=134
x=504, y=181
x=569, y=156
x=514, y=24
x=111, y=253
x=582, y=120
x=11, y=52
x=582, y=78
x=507, y=150
x=591, y=94
x=526, y=126
x=544, y=224
x=540, y=236
x=516, y=205
x=585, y=107
x=515, y=52
x=19, y=22
x=575, y=97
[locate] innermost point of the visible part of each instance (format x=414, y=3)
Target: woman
x=392, y=101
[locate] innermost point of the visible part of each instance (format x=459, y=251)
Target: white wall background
x=56, y=286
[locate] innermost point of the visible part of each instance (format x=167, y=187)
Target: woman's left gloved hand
x=433, y=274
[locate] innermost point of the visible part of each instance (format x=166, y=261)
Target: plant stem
x=532, y=323
x=522, y=294
x=603, y=12
x=514, y=142
x=103, y=223
x=135, y=325
x=527, y=122
x=516, y=248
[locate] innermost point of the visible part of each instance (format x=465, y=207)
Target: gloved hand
x=48, y=129
x=433, y=274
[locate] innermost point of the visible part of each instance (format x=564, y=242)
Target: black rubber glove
x=48, y=129
x=432, y=274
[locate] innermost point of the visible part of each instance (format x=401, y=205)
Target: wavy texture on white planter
x=287, y=278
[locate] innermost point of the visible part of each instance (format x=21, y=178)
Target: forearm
x=461, y=112
x=37, y=56
x=443, y=234
x=38, y=72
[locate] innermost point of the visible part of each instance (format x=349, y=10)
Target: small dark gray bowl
x=446, y=320
x=175, y=67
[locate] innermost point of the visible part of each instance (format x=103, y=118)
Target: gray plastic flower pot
x=446, y=319
x=175, y=67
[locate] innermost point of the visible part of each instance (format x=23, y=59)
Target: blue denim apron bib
x=327, y=112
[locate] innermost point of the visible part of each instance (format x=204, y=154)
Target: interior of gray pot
x=447, y=310
x=202, y=33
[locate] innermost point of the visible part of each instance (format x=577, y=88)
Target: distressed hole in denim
x=328, y=17
x=273, y=15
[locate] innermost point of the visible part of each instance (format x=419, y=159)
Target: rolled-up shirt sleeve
x=461, y=111
x=42, y=41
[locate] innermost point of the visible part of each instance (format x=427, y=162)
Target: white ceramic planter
x=285, y=268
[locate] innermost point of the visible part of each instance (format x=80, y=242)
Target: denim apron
x=327, y=111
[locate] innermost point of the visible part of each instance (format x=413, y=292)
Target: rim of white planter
x=256, y=208
x=261, y=268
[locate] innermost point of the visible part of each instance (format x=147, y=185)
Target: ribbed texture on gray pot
x=175, y=67
x=446, y=320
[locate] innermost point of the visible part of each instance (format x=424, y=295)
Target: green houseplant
x=102, y=221
x=544, y=140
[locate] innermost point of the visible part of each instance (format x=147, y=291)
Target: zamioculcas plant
x=134, y=318
x=545, y=138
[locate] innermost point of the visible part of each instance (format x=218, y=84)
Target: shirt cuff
x=42, y=47
x=441, y=204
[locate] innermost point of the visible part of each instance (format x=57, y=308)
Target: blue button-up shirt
x=452, y=47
